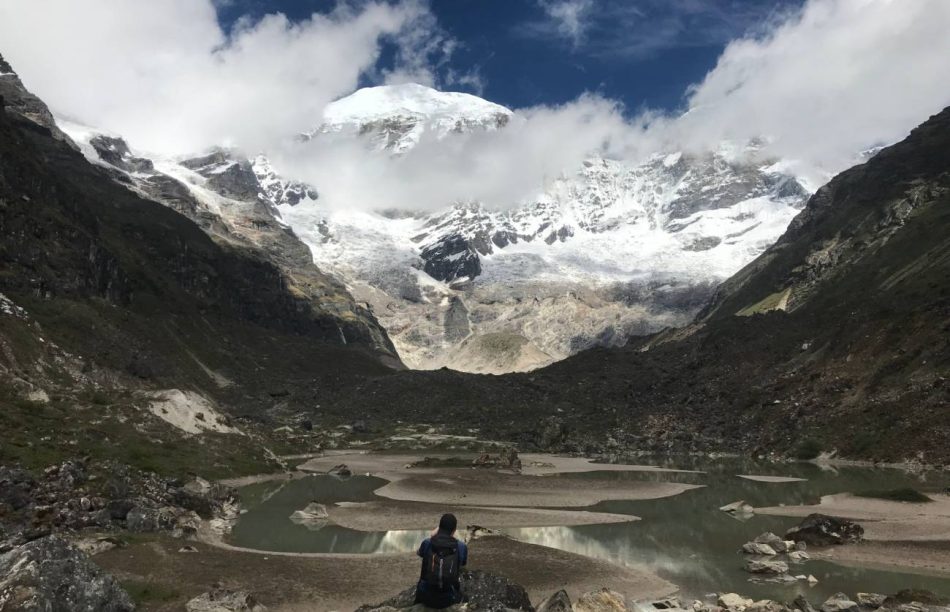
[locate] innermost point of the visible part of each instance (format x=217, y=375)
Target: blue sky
x=520, y=53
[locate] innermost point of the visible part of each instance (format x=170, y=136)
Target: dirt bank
x=548, y=482
x=390, y=515
x=910, y=536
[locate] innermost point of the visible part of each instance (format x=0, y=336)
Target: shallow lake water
x=685, y=538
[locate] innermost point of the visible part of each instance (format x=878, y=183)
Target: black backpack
x=440, y=567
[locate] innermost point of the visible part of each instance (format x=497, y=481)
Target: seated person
x=442, y=557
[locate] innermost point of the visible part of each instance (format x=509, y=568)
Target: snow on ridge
x=410, y=99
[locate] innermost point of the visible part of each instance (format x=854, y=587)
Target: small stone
x=812, y=580
x=188, y=549
x=798, y=555
x=671, y=603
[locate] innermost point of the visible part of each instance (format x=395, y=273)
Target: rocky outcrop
x=76, y=495
x=484, y=592
x=823, y=530
x=224, y=600
x=17, y=99
x=50, y=574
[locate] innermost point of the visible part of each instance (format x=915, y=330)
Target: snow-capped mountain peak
x=410, y=99
x=396, y=116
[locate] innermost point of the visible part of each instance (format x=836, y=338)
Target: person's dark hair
x=448, y=523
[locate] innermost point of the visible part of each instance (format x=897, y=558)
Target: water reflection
x=684, y=538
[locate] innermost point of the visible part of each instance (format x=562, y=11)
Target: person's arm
x=423, y=548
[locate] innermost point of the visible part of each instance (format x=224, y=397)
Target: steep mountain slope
x=598, y=255
x=118, y=313
x=222, y=193
x=837, y=337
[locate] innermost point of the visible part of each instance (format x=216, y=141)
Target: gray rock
x=757, y=548
x=839, y=602
x=484, y=592
x=671, y=603
x=802, y=605
x=603, y=600
x=51, y=574
x=559, y=602
x=823, y=530
x=769, y=538
x=870, y=600
x=340, y=471
x=733, y=601
x=766, y=567
x=142, y=520
x=224, y=600
x=738, y=508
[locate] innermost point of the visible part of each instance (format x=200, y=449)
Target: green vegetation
x=807, y=449
x=775, y=301
x=110, y=426
x=903, y=495
x=143, y=593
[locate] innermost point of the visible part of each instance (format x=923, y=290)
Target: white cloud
x=840, y=76
x=822, y=84
x=163, y=74
x=497, y=168
x=569, y=18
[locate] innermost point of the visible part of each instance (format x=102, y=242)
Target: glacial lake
x=685, y=538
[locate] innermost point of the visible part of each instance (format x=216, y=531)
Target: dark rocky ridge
x=125, y=293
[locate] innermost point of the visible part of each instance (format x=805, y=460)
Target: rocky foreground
x=51, y=523
x=488, y=593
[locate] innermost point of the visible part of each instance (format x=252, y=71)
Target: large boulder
x=733, y=601
x=824, y=530
x=766, y=567
x=757, y=548
x=484, y=592
x=559, y=602
x=603, y=600
x=839, y=602
x=51, y=574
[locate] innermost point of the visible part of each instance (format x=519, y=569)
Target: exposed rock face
x=82, y=251
x=51, y=574
x=451, y=260
x=17, y=99
x=559, y=602
x=116, y=152
x=822, y=530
